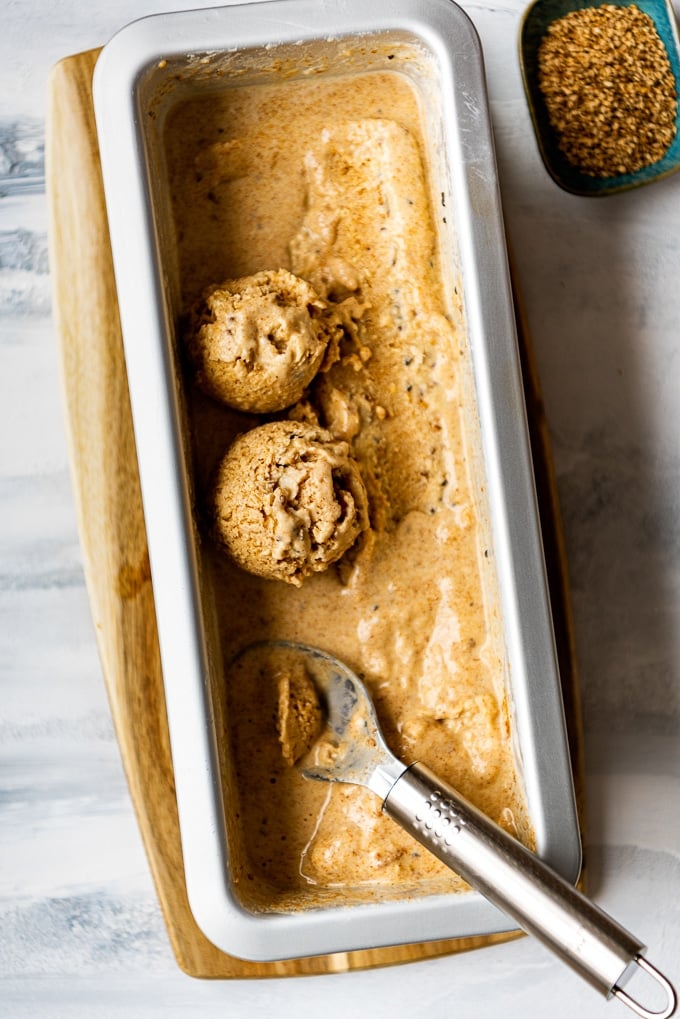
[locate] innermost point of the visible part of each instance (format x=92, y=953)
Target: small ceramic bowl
x=537, y=20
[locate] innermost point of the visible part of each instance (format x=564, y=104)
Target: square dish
x=538, y=19
x=146, y=79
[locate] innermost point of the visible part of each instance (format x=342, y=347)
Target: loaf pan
x=141, y=74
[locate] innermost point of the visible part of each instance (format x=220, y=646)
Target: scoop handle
x=519, y=883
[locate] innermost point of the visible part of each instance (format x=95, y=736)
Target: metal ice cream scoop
x=352, y=749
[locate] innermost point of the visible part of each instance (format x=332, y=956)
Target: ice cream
x=329, y=180
x=258, y=341
x=289, y=501
x=300, y=719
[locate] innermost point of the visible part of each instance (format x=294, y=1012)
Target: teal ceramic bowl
x=537, y=20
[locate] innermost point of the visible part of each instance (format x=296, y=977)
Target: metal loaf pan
x=150, y=65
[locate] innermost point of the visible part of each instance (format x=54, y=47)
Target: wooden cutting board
x=113, y=537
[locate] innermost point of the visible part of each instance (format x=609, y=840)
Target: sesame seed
x=609, y=89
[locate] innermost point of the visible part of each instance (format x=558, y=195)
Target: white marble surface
x=80, y=930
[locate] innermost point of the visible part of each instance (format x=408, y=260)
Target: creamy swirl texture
x=328, y=179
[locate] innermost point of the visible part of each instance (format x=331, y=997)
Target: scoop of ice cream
x=257, y=342
x=289, y=500
x=299, y=719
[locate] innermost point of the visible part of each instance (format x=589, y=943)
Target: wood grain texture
x=111, y=525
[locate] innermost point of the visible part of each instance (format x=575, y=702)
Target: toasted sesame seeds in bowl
x=601, y=81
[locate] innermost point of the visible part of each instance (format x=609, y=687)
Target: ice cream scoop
x=257, y=342
x=289, y=500
x=352, y=749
